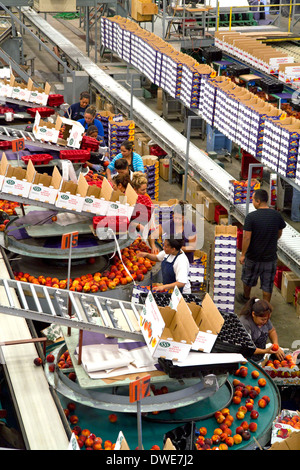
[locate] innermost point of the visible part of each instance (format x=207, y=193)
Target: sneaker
x=241, y=298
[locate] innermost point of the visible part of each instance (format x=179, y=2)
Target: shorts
x=265, y=270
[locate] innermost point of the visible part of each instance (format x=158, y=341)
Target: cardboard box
x=200, y=196
x=168, y=332
x=288, y=285
x=16, y=180
x=135, y=15
x=55, y=6
x=45, y=187
x=71, y=195
x=40, y=95
x=21, y=91
x=46, y=131
x=164, y=165
x=72, y=132
x=146, y=7
x=209, y=208
x=191, y=190
x=159, y=100
x=6, y=87
x=290, y=443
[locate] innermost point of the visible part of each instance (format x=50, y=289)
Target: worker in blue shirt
x=76, y=111
x=135, y=161
x=89, y=119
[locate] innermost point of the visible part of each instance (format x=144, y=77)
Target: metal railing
x=256, y=9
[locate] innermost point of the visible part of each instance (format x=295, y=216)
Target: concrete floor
x=284, y=315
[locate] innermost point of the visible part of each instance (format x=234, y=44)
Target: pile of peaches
x=86, y=439
x=236, y=425
x=8, y=208
x=94, y=179
x=114, y=276
x=286, y=369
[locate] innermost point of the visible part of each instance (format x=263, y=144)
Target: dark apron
x=167, y=271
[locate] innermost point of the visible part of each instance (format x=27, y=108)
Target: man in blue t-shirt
x=262, y=230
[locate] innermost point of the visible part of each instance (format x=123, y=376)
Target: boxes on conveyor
x=238, y=190
x=118, y=132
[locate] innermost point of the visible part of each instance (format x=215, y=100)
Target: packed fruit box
x=284, y=372
x=287, y=422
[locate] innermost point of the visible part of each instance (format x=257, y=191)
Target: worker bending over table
x=174, y=266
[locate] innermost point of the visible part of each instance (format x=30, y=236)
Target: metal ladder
x=89, y=312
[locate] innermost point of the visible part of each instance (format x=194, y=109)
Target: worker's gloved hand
x=97, y=167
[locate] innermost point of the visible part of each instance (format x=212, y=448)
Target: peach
x=262, y=403
x=215, y=439
x=262, y=382
x=237, y=438
x=252, y=427
x=74, y=419
x=89, y=442
x=240, y=415
x=266, y=398
x=203, y=431
x=223, y=446
x=246, y=435
x=236, y=400
x=218, y=431
x=225, y=412
x=239, y=430
x=254, y=414
x=255, y=374
x=229, y=441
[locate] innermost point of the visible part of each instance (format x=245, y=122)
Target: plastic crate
x=187, y=372
x=89, y=143
x=219, y=210
x=5, y=144
x=233, y=337
x=6, y=109
x=247, y=159
x=80, y=155
x=55, y=100
x=43, y=111
x=38, y=158
x=163, y=300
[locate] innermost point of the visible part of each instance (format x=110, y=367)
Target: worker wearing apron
x=174, y=266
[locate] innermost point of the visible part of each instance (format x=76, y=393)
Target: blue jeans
x=295, y=212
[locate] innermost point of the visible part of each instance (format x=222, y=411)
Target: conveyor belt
x=10, y=133
x=35, y=407
x=88, y=312
x=213, y=178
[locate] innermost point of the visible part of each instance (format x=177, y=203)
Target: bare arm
x=245, y=245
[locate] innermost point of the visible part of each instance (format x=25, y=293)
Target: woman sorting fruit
x=76, y=111
x=255, y=316
x=135, y=161
x=120, y=182
x=144, y=207
x=174, y=266
x=90, y=119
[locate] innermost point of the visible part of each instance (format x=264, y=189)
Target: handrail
x=255, y=8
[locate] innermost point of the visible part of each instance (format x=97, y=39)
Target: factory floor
x=284, y=315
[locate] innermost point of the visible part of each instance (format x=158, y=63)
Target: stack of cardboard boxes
x=225, y=267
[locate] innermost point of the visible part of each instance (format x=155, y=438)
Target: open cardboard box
x=72, y=195
x=45, y=131
x=72, y=132
x=106, y=201
x=45, y=187
x=169, y=333
x=21, y=91
x=40, y=95
x=6, y=87
x=290, y=443
x=207, y=318
x=16, y=180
